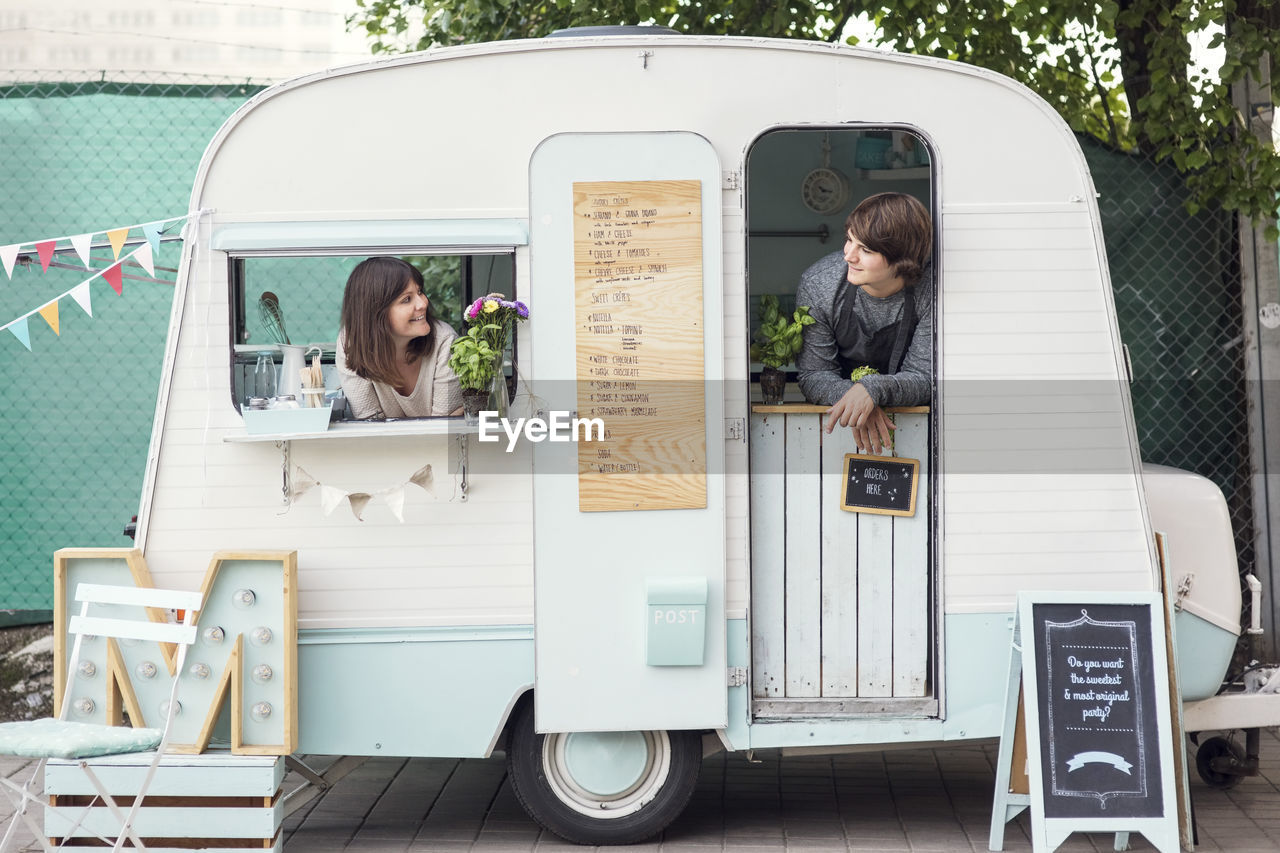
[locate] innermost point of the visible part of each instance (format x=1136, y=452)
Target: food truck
x=704, y=571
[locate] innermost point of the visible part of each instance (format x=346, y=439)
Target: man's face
x=869, y=269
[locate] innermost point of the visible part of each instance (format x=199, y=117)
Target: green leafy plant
x=862, y=372
x=778, y=340
x=473, y=358
x=490, y=321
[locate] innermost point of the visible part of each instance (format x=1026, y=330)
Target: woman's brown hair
x=372, y=287
x=897, y=226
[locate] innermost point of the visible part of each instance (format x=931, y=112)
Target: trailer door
x=625, y=288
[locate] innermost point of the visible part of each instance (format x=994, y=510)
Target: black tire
x=665, y=766
x=1217, y=747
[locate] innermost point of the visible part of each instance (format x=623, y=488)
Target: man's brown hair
x=897, y=226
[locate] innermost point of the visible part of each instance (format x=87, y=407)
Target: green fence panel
x=77, y=409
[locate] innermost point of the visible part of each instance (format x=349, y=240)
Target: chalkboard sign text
x=883, y=485
x=1099, y=740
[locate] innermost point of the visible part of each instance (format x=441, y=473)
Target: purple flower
x=473, y=310
x=522, y=310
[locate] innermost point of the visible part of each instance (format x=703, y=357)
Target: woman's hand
x=870, y=424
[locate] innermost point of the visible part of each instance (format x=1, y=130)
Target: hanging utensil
x=272, y=317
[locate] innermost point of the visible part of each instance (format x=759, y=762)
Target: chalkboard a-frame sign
x=1100, y=749
x=882, y=485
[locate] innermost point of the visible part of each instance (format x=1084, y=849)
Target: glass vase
x=473, y=403
x=498, y=399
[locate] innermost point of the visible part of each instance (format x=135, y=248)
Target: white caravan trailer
x=696, y=577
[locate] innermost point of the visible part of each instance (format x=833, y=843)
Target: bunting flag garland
x=45, y=250
x=50, y=315
x=332, y=496
x=9, y=254
x=152, y=231
x=395, y=502
x=117, y=238
x=80, y=293
x=20, y=331
x=143, y=254
x=358, y=502
x=80, y=243
x=113, y=276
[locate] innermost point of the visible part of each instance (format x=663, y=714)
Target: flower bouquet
x=476, y=357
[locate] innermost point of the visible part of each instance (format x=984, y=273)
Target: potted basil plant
x=472, y=359
x=778, y=340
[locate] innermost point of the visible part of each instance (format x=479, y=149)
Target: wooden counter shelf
x=811, y=409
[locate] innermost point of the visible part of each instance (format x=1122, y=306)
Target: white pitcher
x=290, y=368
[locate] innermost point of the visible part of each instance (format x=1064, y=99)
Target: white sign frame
x=1047, y=834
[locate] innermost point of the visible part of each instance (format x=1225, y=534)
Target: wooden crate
x=215, y=802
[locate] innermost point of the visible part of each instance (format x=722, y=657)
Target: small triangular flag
x=45, y=249
x=142, y=255
x=114, y=278
x=50, y=315
x=422, y=478
x=152, y=231
x=117, y=238
x=302, y=482
x=81, y=243
x=20, y=331
x=9, y=254
x=330, y=498
x=395, y=500
x=80, y=293
x=358, y=502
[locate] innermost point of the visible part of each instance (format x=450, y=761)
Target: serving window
x=801, y=185
x=296, y=299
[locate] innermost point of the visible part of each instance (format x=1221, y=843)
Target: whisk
x=272, y=317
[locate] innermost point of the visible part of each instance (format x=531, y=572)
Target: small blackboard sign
x=1099, y=739
x=884, y=485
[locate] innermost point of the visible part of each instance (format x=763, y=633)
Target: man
x=873, y=307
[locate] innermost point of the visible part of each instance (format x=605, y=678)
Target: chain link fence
x=87, y=156
x=1176, y=282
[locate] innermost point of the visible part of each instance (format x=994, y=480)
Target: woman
x=393, y=354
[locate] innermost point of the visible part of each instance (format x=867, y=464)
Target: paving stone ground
x=908, y=800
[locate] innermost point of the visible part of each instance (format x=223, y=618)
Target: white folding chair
x=62, y=738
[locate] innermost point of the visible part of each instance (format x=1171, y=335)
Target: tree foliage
x=1116, y=69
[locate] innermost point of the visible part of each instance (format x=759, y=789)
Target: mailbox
x=677, y=621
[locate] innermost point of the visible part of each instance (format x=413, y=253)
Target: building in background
x=261, y=41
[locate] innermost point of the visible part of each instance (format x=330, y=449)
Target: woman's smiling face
x=407, y=316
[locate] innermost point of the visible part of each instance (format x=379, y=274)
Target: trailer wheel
x=1217, y=747
x=602, y=787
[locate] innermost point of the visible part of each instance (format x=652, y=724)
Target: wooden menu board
x=637, y=248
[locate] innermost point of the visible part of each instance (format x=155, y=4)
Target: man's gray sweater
x=818, y=362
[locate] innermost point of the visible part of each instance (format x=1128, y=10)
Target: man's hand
x=869, y=422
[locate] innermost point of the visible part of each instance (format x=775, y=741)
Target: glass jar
x=264, y=376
